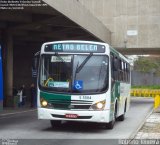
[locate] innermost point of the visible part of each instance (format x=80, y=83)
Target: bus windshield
x=59, y=73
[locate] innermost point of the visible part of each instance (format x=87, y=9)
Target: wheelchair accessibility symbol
x=78, y=85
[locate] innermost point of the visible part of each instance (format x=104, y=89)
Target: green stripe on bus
x=59, y=101
x=117, y=90
x=115, y=93
x=51, y=96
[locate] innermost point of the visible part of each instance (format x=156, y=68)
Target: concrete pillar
x=1, y=81
x=8, y=68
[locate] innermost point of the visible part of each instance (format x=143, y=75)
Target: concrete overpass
x=139, y=51
x=93, y=17
x=22, y=32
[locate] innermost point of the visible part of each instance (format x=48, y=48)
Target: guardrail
x=155, y=93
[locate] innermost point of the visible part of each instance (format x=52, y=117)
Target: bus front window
x=93, y=76
x=55, y=72
x=59, y=73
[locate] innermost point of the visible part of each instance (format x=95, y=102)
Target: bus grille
x=71, y=105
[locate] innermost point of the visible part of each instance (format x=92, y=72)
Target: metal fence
x=146, y=79
x=141, y=79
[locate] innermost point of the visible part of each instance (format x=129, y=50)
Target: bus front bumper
x=86, y=116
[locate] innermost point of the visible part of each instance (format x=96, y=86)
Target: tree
x=147, y=64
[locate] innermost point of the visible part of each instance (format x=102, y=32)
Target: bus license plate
x=71, y=116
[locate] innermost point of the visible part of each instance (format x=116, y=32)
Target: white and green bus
x=82, y=81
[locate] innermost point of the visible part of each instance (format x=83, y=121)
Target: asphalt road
x=27, y=126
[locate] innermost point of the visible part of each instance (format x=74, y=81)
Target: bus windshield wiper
x=56, y=54
x=83, y=63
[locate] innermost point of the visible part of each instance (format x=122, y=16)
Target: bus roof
x=80, y=41
x=92, y=42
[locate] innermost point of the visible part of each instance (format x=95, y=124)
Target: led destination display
x=75, y=48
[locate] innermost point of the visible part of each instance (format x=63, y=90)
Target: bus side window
x=112, y=67
x=128, y=72
x=116, y=68
x=113, y=74
x=123, y=71
x=120, y=70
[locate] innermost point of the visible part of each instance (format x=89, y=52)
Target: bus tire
x=110, y=125
x=55, y=123
x=122, y=117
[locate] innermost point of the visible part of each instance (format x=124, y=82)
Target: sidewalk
x=11, y=110
x=151, y=127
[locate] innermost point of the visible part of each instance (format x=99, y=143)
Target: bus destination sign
x=75, y=48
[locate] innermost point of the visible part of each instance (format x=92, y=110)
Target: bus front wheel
x=122, y=117
x=110, y=125
x=55, y=123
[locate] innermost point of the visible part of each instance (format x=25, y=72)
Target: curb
x=141, y=124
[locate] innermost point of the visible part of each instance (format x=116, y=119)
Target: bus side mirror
x=34, y=67
x=35, y=63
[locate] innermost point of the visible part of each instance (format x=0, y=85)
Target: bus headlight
x=99, y=105
x=44, y=103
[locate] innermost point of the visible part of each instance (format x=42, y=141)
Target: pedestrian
x=23, y=95
x=20, y=98
x=33, y=95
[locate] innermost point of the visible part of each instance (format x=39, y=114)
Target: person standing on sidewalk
x=20, y=98
x=23, y=95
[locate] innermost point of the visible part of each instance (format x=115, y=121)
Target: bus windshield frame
x=58, y=73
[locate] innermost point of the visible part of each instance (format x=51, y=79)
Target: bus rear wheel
x=121, y=118
x=55, y=123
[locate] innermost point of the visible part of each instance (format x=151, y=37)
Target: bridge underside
x=22, y=34
x=139, y=51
